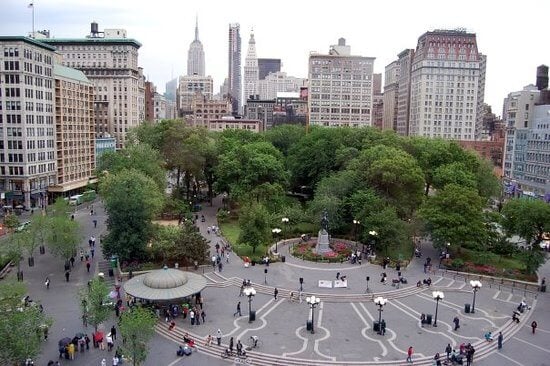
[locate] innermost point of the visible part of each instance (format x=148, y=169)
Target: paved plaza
x=344, y=318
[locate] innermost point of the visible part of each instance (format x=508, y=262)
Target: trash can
x=467, y=308
x=542, y=288
x=253, y=262
x=113, y=261
x=111, y=272
x=376, y=326
x=283, y=259
x=252, y=315
x=429, y=319
x=42, y=249
x=31, y=261
x=309, y=325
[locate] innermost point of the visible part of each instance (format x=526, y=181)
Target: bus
x=76, y=200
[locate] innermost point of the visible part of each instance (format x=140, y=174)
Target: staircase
x=105, y=266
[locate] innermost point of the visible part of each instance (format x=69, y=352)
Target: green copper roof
x=70, y=73
x=88, y=41
x=28, y=40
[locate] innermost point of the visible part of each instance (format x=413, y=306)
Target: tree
x=132, y=200
x=140, y=157
x=92, y=298
x=63, y=237
x=11, y=222
x=390, y=228
x=15, y=248
x=529, y=219
x=285, y=136
x=21, y=327
x=254, y=224
x=246, y=168
x=136, y=328
x=454, y=215
x=455, y=173
x=40, y=228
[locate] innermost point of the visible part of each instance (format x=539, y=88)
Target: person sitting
x=172, y=325
x=489, y=336
x=456, y=357
x=180, y=351
x=522, y=306
x=419, y=284
x=515, y=317
x=343, y=278
x=186, y=338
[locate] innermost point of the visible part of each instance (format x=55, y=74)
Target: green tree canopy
x=63, y=237
x=183, y=244
x=136, y=328
x=254, y=224
x=454, y=215
x=92, y=302
x=455, y=173
x=285, y=136
x=21, y=327
x=529, y=219
x=132, y=200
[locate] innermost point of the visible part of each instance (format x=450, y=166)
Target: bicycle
x=254, y=342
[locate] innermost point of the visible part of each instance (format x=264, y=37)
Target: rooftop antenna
x=31, y=5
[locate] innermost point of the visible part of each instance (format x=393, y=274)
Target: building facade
x=190, y=87
x=279, y=82
x=75, y=131
x=340, y=88
x=229, y=123
x=447, y=86
x=27, y=127
x=110, y=61
x=518, y=107
x=150, y=91
x=195, y=55
x=171, y=89
x=234, y=87
x=389, y=119
x=377, y=101
x=258, y=109
x=289, y=108
x=267, y=66
x=404, y=60
x=103, y=145
x=206, y=110
x=251, y=70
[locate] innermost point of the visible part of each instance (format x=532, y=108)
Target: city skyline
x=167, y=30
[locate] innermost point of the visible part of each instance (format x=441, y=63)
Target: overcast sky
x=513, y=35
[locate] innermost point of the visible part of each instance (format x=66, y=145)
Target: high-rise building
x=27, y=129
x=75, y=131
x=268, y=66
x=195, y=56
x=404, y=60
x=391, y=86
x=234, y=75
x=447, y=86
x=171, y=88
x=279, y=82
x=251, y=70
x=150, y=90
x=190, y=87
x=526, y=167
x=340, y=91
x=110, y=61
x=377, y=101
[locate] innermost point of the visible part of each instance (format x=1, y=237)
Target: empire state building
x=195, y=56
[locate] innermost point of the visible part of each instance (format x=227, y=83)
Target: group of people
x=239, y=347
x=464, y=353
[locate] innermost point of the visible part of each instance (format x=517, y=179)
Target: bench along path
x=483, y=348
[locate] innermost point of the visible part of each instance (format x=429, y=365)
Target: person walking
x=231, y=345
x=448, y=351
x=67, y=274
x=238, y=309
x=113, y=332
x=47, y=283
x=219, y=337
x=275, y=293
x=203, y=316
x=409, y=354
x=534, y=326
x=499, y=340
x=88, y=265
x=457, y=323
x=437, y=359
x=95, y=223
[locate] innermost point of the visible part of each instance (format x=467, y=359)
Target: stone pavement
x=343, y=320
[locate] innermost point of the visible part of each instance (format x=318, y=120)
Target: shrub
x=457, y=263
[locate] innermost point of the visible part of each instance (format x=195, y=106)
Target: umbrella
x=64, y=341
x=80, y=335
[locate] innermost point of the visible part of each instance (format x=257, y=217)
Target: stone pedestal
x=322, y=242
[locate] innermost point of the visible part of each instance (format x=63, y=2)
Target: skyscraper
x=195, y=56
x=234, y=76
x=251, y=71
x=267, y=66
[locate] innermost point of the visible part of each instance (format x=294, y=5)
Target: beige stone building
x=74, y=130
x=191, y=87
x=389, y=120
x=340, y=88
x=206, y=110
x=110, y=60
x=228, y=123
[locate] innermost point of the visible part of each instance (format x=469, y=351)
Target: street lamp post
x=380, y=302
x=249, y=292
x=313, y=302
x=355, y=224
x=284, y=220
x=276, y=232
x=476, y=285
x=437, y=295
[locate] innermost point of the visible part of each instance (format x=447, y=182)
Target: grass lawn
x=230, y=231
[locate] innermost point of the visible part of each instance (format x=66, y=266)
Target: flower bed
x=339, y=253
